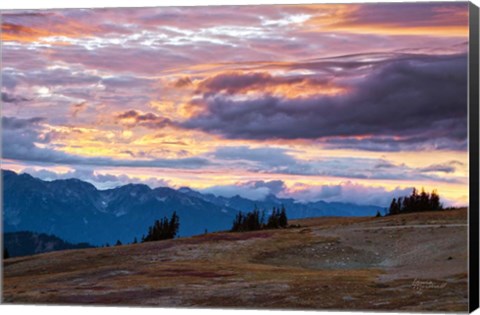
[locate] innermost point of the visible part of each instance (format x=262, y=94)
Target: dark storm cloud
x=419, y=99
x=346, y=62
x=429, y=141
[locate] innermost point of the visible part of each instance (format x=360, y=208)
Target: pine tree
x=393, y=207
x=254, y=220
x=416, y=202
x=135, y=240
x=273, y=220
x=262, y=219
x=237, y=223
x=414, y=199
x=424, y=204
x=406, y=204
x=400, y=205
x=118, y=243
x=282, y=219
x=163, y=229
x=173, y=225
x=6, y=254
x=435, y=201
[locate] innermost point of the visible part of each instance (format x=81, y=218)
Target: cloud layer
x=411, y=101
x=248, y=99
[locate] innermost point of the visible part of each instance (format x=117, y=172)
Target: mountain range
x=78, y=212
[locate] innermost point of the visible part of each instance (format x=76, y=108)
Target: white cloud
x=348, y=192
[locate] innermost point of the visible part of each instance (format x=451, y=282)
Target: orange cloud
x=427, y=19
x=20, y=33
x=63, y=28
x=134, y=118
x=251, y=83
x=78, y=108
x=385, y=29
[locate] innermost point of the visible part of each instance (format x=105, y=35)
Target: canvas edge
x=473, y=157
x=1, y=164
x=474, y=154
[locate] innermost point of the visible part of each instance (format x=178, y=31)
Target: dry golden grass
x=326, y=263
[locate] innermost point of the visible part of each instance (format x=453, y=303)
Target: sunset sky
x=333, y=102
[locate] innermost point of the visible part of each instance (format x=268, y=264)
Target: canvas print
x=265, y=156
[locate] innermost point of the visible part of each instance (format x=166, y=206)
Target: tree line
x=162, y=229
x=165, y=228
x=416, y=202
x=254, y=220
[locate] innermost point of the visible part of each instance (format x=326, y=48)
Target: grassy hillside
x=415, y=261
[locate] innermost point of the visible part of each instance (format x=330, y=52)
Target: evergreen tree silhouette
x=416, y=202
x=254, y=220
x=424, y=202
x=273, y=219
x=163, y=229
x=282, y=218
x=435, y=201
x=393, y=207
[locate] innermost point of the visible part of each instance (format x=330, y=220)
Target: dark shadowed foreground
x=414, y=261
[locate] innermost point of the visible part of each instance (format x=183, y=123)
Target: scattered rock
x=348, y=298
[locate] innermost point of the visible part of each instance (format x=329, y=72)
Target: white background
x=76, y=310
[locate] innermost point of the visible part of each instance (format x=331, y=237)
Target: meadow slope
x=413, y=261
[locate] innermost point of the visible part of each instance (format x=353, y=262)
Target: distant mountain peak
x=136, y=188
x=63, y=207
x=185, y=189
x=8, y=172
x=73, y=181
x=136, y=185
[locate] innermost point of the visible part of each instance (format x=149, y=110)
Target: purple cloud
x=419, y=99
